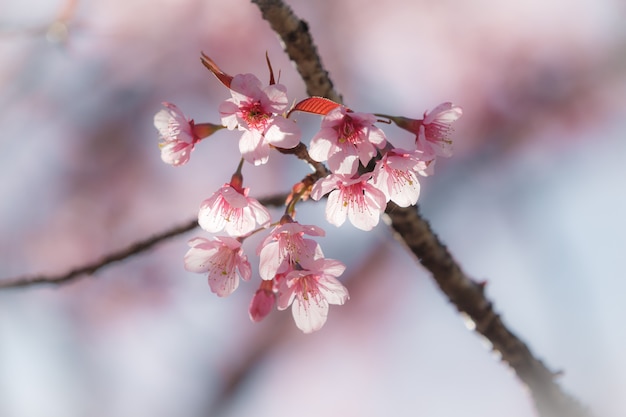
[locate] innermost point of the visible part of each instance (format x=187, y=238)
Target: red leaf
x=315, y=105
x=212, y=66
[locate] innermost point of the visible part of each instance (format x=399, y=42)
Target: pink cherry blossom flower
x=255, y=111
x=178, y=134
x=432, y=135
x=395, y=175
x=355, y=198
x=262, y=302
x=311, y=291
x=221, y=257
x=286, y=247
x=346, y=138
x=230, y=209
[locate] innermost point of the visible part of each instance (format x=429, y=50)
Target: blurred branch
x=298, y=44
x=134, y=249
x=467, y=295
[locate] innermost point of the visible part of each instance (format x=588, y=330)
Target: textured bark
x=468, y=296
x=298, y=44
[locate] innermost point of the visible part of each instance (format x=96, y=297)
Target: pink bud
x=262, y=302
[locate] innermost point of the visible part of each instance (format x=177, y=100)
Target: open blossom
x=221, y=257
x=178, y=134
x=346, y=138
x=286, y=246
x=310, y=292
x=432, y=137
x=230, y=209
x=255, y=111
x=355, y=198
x=395, y=175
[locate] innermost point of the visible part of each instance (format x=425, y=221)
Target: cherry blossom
x=432, y=137
x=178, y=134
x=431, y=133
x=286, y=246
x=221, y=257
x=395, y=175
x=355, y=198
x=345, y=138
x=255, y=111
x=262, y=302
x=230, y=209
x=310, y=292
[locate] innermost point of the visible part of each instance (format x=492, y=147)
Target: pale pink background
x=533, y=202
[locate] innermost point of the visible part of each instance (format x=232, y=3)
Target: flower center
x=354, y=196
x=254, y=115
x=348, y=131
x=223, y=261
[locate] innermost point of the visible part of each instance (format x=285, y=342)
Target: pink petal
x=323, y=186
x=197, y=260
x=210, y=216
x=223, y=285
x=253, y=148
x=331, y=267
x=336, y=211
x=245, y=88
x=275, y=99
x=228, y=113
x=176, y=153
x=445, y=113
x=333, y=291
x=309, y=316
x=366, y=218
x=283, y=133
x=344, y=162
x=245, y=270
x=321, y=145
x=233, y=197
x=241, y=224
x=377, y=137
x=285, y=296
x=269, y=260
x=260, y=213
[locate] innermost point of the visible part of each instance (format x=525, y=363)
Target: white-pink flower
x=395, y=175
x=221, y=257
x=355, y=198
x=345, y=138
x=256, y=111
x=177, y=135
x=286, y=246
x=231, y=209
x=310, y=291
x=433, y=133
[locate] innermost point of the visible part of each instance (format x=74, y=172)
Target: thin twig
x=467, y=295
x=119, y=255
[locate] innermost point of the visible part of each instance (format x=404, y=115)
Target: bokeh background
x=533, y=202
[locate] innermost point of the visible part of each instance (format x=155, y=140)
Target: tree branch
x=119, y=255
x=298, y=44
x=467, y=295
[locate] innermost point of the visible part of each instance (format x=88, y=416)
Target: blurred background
x=533, y=202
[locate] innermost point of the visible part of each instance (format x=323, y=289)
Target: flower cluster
x=365, y=172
